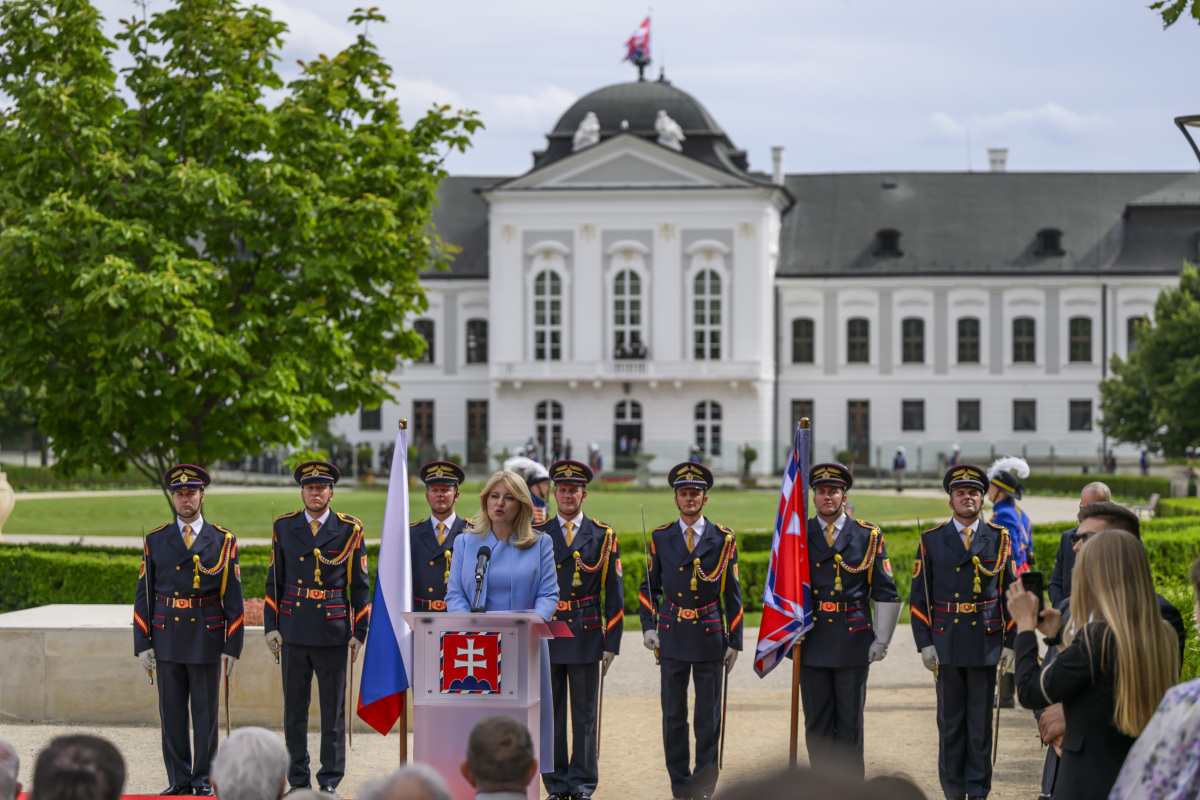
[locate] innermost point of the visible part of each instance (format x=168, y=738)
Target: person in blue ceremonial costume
x=588, y=562
x=848, y=568
x=1004, y=492
x=962, y=628
x=520, y=574
x=431, y=541
x=691, y=611
x=318, y=602
x=188, y=626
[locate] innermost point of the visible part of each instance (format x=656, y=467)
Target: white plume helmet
x=1014, y=465
x=521, y=465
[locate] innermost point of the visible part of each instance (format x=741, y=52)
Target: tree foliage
x=1151, y=398
x=187, y=270
x=1172, y=10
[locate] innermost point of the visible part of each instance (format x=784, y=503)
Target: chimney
x=998, y=159
x=777, y=169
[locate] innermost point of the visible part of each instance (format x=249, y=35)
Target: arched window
x=1024, y=340
x=629, y=411
x=1080, y=339
x=627, y=314
x=912, y=341
x=802, y=340
x=547, y=316
x=968, y=340
x=706, y=316
x=708, y=428
x=549, y=428
x=858, y=335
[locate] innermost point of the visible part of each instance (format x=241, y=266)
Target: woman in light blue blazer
x=520, y=574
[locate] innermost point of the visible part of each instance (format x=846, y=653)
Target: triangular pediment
x=626, y=162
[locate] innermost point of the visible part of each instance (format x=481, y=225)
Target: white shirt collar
x=697, y=527
x=321, y=519
x=576, y=520
x=974, y=526
x=196, y=524
x=448, y=521
x=838, y=524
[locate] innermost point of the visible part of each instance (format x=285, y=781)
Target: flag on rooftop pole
x=787, y=595
x=388, y=656
x=639, y=44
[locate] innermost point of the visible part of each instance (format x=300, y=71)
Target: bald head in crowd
x=1094, y=492
x=411, y=782
x=252, y=764
x=78, y=768
x=499, y=756
x=10, y=770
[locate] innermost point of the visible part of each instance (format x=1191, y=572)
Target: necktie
x=691, y=540
x=187, y=536
x=570, y=537
x=829, y=534
x=966, y=538
x=314, y=524
x=441, y=533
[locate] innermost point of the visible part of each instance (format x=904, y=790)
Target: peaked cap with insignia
x=689, y=473
x=830, y=475
x=571, y=472
x=965, y=475
x=186, y=476
x=317, y=472
x=442, y=473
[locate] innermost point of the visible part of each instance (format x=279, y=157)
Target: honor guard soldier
x=849, y=569
x=588, y=561
x=431, y=541
x=188, y=626
x=317, y=602
x=691, y=612
x=961, y=626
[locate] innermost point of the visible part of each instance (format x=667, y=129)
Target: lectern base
x=440, y=740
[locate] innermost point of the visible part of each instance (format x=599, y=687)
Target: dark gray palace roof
x=988, y=223
x=461, y=218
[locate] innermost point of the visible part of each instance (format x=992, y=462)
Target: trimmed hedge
x=1178, y=507
x=1121, y=485
x=44, y=479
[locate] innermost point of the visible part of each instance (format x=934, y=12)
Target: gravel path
x=901, y=732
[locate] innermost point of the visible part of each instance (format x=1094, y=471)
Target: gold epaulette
x=997, y=527
x=223, y=530
x=348, y=518
x=544, y=522
x=156, y=530
x=418, y=522
x=664, y=527
x=931, y=530
x=285, y=516
x=604, y=525
x=723, y=529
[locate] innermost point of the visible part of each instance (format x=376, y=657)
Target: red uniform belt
x=430, y=605
x=692, y=613
x=830, y=608
x=188, y=602
x=315, y=594
x=961, y=608
x=575, y=605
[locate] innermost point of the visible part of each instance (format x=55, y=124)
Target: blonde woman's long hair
x=523, y=535
x=1112, y=583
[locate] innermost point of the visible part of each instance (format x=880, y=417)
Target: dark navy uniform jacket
x=968, y=629
x=690, y=623
x=596, y=625
x=186, y=625
x=430, y=562
x=842, y=635
x=306, y=612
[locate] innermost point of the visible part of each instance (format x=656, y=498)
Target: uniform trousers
x=575, y=770
x=707, y=676
x=833, y=699
x=177, y=683
x=964, y=715
x=300, y=663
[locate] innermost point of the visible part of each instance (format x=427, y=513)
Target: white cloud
x=416, y=96
x=535, y=112
x=309, y=34
x=1047, y=121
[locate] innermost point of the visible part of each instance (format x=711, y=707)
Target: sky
x=843, y=85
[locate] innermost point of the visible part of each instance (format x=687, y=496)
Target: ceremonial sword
x=925, y=578
x=228, y=730
x=275, y=574
x=146, y=578
x=649, y=588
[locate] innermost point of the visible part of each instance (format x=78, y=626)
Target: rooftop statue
x=588, y=132
x=668, y=130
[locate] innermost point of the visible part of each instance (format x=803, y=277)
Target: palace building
x=643, y=289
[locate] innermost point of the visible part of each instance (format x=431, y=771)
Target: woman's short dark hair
x=78, y=768
x=499, y=752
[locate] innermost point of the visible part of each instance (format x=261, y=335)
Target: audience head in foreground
x=499, y=756
x=10, y=770
x=252, y=764
x=78, y=768
x=410, y=782
x=802, y=783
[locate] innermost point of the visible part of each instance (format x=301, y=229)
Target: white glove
x=650, y=639
x=227, y=662
x=274, y=642
x=929, y=657
x=355, y=644
x=730, y=659
x=608, y=659
x=877, y=652
x=1007, y=657
x=147, y=659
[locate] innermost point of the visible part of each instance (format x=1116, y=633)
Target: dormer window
x=1049, y=242
x=887, y=243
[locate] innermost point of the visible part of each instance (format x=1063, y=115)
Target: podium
x=467, y=667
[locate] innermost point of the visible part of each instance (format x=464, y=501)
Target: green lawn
x=250, y=515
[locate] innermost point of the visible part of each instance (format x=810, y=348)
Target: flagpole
x=404, y=696
x=795, y=739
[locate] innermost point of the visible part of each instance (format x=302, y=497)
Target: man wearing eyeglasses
x=1059, y=586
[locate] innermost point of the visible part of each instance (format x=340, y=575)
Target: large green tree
x=205, y=263
x=1152, y=398
x=1172, y=10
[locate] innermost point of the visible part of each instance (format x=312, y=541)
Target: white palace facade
x=641, y=287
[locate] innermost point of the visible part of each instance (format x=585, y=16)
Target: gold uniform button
x=431, y=563
x=830, y=619
x=177, y=594
x=818, y=563
x=177, y=619
x=680, y=594
x=958, y=569
x=177, y=569
x=299, y=580
x=193, y=619
x=816, y=591
x=955, y=622
x=318, y=605
x=972, y=622
x=956, y=594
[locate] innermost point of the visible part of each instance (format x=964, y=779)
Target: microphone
x=484, y=555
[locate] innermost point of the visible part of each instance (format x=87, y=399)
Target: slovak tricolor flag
x=388, y=656
x=787, y=597
x=639, y=43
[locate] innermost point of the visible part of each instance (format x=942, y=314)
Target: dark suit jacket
x=1060, y=577
x=430, y=570
x=597, y=625
x=212, y=624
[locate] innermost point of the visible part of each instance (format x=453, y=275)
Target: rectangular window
x=968, y=415
x=477, y=341
x=370, y=419
x=424, y=329
x=912, y=332
x=800, y=410
x=477, y=432
x=858, y=349
x=1081, y=415
x=1024, y=338
x=1024, y=415
x=912, y=415
x=1081, y=340
x=968, y=340
x=422, y=422
x=802, y=341
x=1133, y=329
